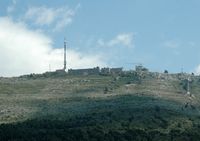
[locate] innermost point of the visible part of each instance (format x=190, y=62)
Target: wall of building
x=95, y=71
x=116, y=70
x=105, y=71
x=89, y=71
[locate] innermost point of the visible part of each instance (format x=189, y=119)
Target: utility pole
x=182, y=70
x=188, y=86
x=49, y=67
x=65, y=62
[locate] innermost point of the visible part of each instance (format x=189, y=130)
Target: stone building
x=116, y=70
x=105, y=71
x=60, y=72
x=89, y=71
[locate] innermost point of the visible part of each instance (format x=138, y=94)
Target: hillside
x=130, y=106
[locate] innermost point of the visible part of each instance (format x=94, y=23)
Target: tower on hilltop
x=65, y=61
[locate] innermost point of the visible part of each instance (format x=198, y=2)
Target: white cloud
x=172, y=44
x=11, y=8
x=78, y=60
x=124, y=39
x=25, y=51
x=41, y=15
x=56, y=17
x=101, y=42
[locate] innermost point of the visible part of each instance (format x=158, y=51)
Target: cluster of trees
x=57, y=131
x=106, y=125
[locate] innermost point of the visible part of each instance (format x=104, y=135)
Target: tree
x=166, y=71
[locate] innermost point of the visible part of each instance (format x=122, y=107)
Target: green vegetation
x=131, y=106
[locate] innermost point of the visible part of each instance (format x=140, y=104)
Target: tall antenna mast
x=65, y=46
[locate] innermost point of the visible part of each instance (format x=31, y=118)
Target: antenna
x=188, y=86
x=65, y=46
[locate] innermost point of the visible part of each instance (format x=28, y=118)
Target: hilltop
x=126, y=106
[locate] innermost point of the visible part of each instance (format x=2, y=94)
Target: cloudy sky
x=160, y=34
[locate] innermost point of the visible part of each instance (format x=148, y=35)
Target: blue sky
x=160, y=34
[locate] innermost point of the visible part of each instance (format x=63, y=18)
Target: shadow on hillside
x=61, y=130
x=121, y=121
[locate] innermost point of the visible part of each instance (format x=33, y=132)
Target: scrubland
x=125, y=107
